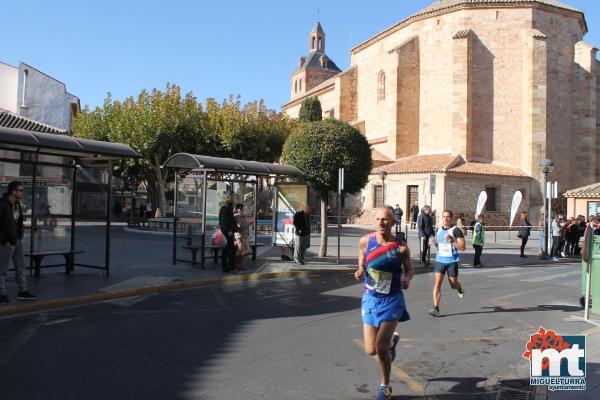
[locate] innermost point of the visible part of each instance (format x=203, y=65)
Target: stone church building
x=475, y=92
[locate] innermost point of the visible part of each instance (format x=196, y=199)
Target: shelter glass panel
x=190, y=204
x=53, y=207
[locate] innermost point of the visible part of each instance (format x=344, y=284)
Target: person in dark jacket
x=524, y=232
x=301, y=234
x=11, y=241
x=228, y=227
x=571, y=236
x=426, y=230
x=399, y=213
x=414, y=213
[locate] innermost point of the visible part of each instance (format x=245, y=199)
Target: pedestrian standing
x=399, y=213
x=241, y=236
x=524, y=232
x=414, y=213
x=555, y=234
x=385, y=266
x=301, y=234
x=571, y=236
x=11, y=241
x=449, y=240
x=542, y=236
x=582, y=225
x=228, y=227
x=478, y=240
x=426, y=231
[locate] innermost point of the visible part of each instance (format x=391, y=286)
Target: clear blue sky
x=212, y=48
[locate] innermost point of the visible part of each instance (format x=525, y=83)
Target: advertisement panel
x=289, y=198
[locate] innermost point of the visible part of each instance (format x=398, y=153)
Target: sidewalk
x=142, y=261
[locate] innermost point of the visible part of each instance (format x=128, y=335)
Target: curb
x=13, y=310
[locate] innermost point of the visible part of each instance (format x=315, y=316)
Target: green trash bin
x=595, y=285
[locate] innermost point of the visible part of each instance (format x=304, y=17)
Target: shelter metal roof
x=218, y=164
x=47, y=143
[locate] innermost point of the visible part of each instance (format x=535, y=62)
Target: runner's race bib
x=379, y=281
x=445, y=249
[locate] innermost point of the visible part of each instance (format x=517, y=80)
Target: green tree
x=319, y=149
x=158, y=124
x=310, y=110
x=251, y=131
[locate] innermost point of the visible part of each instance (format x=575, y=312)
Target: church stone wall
x=563, y=31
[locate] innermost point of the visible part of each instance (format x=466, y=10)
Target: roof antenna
x=318, y=14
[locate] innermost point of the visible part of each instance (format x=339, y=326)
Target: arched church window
x=300, y=86
x=296, y=86
x=381, y=86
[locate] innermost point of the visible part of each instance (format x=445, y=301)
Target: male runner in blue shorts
x=380, y=261
x=449, y=240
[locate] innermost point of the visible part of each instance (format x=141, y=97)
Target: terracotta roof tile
x=420, y=164
x=592, y=190
x=449, y=163
x=488, y=169
x=445, y=4
x=12, y=120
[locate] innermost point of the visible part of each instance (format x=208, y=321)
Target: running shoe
x=395, y=339
x=26, y=295
x=434, y=312
x=385, y=393
x=555, y=259
x=461, y=292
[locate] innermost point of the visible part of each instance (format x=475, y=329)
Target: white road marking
x=471, y=271
x=58, y=321
x=551, y=277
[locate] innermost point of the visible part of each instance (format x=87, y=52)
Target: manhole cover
x=519, y=389
x=511, y=394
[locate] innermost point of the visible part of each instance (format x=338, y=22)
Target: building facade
x=29, y=93
x=475, y=92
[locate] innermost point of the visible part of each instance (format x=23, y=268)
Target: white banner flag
x=481, y=202
x=514, y=207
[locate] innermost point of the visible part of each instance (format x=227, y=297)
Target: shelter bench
x=196, y=248
x=69, y=256
x=215, y=251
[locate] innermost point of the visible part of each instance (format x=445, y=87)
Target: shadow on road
x=502, y=309
x=164, y=347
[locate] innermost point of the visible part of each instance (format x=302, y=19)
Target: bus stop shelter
x=65, y=178
x=202, y=181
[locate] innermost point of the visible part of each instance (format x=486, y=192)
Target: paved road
x=287, y=339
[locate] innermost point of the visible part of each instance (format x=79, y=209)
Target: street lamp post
x=383, y=175
x=546, y=166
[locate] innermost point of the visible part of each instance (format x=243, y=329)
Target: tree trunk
x=324, y=202
x=160, y=187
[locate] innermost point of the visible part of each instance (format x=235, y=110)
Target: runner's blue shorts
x=376, y=310
x=451, y=268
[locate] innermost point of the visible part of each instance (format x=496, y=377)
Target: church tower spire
x=314, y=68
x=317, y=39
